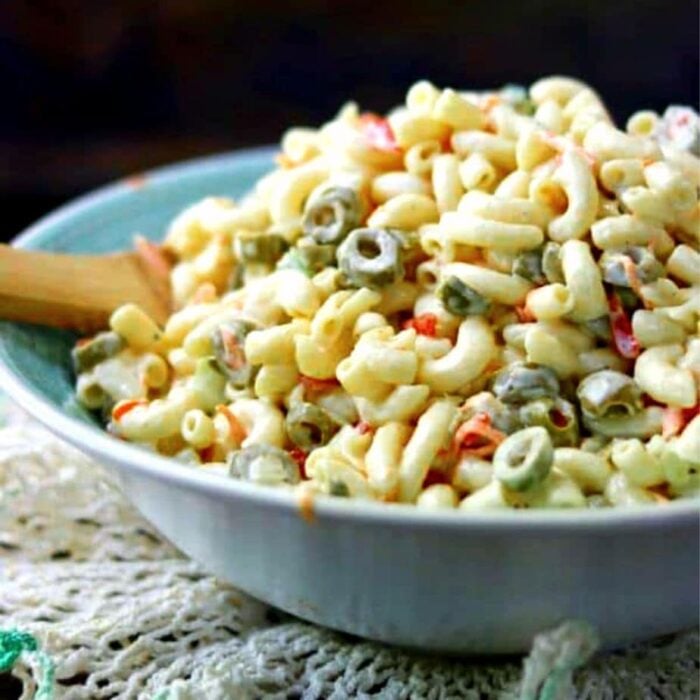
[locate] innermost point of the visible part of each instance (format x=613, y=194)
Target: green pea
x=609, y=394
x=260, y=248
x=98, y=349
x=208, y=383
x=528, y=264
x=264, y=464
x=308, y=258
x=309, y=426
x=460, y=299
x=331, y=216
x=228, y=340
x=600, y=327
x=523, y=460
x=613, y=266
x=551, y=263
x=371, y=258
x=525, y=381
x=557, y=416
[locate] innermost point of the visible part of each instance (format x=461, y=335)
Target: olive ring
x=371, y=257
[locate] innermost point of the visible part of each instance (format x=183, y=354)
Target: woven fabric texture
x=117, y=612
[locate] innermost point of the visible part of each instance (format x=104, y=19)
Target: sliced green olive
x=331, y=215
x=627, y=297
x=228, y=340
x=614, y=265
x=264, y=464
x=308, y=258
x=264, y=248
x=504, y=418
x=371, y=258
x=460, y=299
x=98, y=349
x=529, y=265
x=551, y=263
x=600, y=327
x=309, y=426
x=557, y=416
x=523, y=460
x=609, y=394
x=525, y=381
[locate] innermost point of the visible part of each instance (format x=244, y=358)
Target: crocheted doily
x=95, y=604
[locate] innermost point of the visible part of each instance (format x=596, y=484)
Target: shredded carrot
x=284, y=161
x=236, y=431
x=489, y=102
x=306, y=505
x=318, y=385
x=562, y=143
x=123, y=407
x=477, y=437
x=631, y=271
x=491, y=367
x=234, y=355
x=524, y=314
x=206, y=292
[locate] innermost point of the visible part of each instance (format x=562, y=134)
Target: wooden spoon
x=80, y=292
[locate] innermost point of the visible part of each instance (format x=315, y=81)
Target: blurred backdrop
x=96, y=90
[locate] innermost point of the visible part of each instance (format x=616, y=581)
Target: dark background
x=95, y=90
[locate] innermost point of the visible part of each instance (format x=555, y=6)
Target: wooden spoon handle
x=73, y=291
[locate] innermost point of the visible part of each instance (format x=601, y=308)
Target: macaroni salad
x=482, y=300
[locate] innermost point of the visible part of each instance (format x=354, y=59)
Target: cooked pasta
x=480, y=301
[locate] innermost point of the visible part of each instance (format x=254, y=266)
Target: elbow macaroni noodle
x=481, y=301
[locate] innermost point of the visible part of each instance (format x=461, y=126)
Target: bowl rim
x=143, y=463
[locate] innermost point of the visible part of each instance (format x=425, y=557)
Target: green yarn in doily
x=14, y=643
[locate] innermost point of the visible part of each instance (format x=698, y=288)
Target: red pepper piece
x=377, y=131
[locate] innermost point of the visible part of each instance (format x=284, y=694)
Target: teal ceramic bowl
x=450, y=582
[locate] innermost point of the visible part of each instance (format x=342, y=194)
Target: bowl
x=441, y=581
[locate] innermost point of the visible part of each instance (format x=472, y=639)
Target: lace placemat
x=95, y=604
